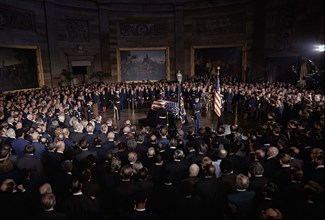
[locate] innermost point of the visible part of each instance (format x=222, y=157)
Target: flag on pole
x=182, y=112
x=217, y=97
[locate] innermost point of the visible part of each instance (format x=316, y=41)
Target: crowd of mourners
x=60, y=159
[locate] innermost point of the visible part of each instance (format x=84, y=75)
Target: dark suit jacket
x=34, y=165
x=164, y=200
x=76, y=136
x=103, y=137
x=52, y=163
x=318, y=175
x=241, y=205
x=271, y=165
x=61, y=186
x=15, y=204
x=108, y=145
x=257, y=184
x=282, y=177
x=123, y=195
x=80, y=207
x=210, y=192
x=176, y=170
x=228, y=182
x=47, y=215
x=155, y=172
x=141, y=215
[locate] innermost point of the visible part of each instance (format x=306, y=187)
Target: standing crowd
x=60, y=159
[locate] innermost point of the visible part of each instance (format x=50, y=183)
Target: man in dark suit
x=79, y=205
x=256, y=179
x=241, y=203
x=77, y=134
x=210, y=191
x=177, y=169
x=19, y=143
x=14, y=201
x=32, y=164
x=48, y=203
x=228, y=177
x=53, y=159
x=272, y=163
x=82, y=156
x=123, y=193
x=140, y=210
x=318, y=174
x=221, y=139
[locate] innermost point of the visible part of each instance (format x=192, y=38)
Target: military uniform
x=162, y=117
x=89, y=110
x=117, y=105
x=197, y=109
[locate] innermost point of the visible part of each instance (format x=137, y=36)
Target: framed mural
x=20, y=68
x=230, y=58
x=137, y=64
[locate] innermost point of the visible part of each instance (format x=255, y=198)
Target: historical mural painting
x=19, y=68
x=143, y=64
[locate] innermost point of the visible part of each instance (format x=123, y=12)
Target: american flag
x=172, y=107
x=182, y=113
x=217, y=98
x=157, y=104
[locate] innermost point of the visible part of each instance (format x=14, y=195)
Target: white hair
x=11, y=133
x=194, y=169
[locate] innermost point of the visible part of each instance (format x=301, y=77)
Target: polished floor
x=209, y=118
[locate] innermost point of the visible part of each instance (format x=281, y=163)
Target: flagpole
x=179, y=77
x=212, y=118
x=218, y=75
x=236, y=116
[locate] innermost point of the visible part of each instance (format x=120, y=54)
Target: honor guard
x=131, y=99
x=197, y=109
x=162, y=117
x=89, y=110
x=117, y=105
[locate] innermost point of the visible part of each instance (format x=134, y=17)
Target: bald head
x=194, y=169
x=60, y=146
x=272, y=152
x=45, y=189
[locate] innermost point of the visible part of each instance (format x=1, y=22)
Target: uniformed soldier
x=117, y=105
x=89, y=110
x=131, y=99
x=197, y=109
x=162, y=117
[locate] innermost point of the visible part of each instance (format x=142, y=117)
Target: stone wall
x=91, y=32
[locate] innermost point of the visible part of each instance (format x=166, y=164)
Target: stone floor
x=209, y=118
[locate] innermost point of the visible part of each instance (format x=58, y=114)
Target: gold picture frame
x=242, y=47
x=20, y=67
x=137, y=64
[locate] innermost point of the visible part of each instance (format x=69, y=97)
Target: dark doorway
x=79, y=70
